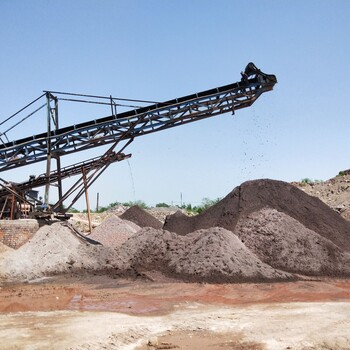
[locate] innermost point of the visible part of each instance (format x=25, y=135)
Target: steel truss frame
x=126, y=126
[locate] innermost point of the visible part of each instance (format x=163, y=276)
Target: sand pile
x=55, y=250
x=141, y=218
x=212, y=255
x=284, y=243
x=255, y=195
x=114, y=231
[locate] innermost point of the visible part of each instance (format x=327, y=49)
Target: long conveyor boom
x=137, y=122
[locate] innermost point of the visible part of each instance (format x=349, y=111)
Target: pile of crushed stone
x=141, y=218
x=255, y=195
x=114, y=231
x=212, y=255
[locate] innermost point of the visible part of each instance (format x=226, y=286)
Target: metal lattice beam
x=137, y=122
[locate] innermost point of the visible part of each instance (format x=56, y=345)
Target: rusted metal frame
x=101, y=166
x=84, y=140
x=96, y=173
x=199, y=115
x=98, y=130
x=87, y=197
x=48, y=150
x=3, y=207
x=100, y=97
x=115, y=134
x=58, y=159
x=190, y=116
x=12, y=206
x=23, y=119
x=14, y=193
x=89, y=181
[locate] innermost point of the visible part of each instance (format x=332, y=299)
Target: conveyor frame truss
x=125, y=126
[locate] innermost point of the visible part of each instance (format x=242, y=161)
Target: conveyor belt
x=137, y=122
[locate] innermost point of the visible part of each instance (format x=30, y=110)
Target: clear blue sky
x=162, y=49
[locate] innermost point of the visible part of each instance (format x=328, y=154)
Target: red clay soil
x=141, y=217
x=101, y=293
x=252, y=196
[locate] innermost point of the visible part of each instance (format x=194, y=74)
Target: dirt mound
x=114, y=231
x=284, y=243
x=141, y=218
x=254, y=195
x=212, y=255
x=55, y=250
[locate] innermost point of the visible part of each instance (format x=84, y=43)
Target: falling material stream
x=132, y=181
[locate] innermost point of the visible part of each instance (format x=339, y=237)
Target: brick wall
x=15, y=233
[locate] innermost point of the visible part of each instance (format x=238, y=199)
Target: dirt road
x=103, y=313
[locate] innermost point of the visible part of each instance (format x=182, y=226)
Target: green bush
x=162, y=205
x=73, y=210
x=206, y=203
x=306, y=180
x=139, y=203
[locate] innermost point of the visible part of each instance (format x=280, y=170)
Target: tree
x=162, y=205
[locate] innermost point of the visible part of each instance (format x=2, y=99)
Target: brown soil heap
x=255, y=195
x=141, y=218
x=264, y=230
x=211, y=255
x=286, y=244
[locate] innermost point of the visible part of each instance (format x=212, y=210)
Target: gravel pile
x=141, y=218
x=211, y=255
x=114, y=231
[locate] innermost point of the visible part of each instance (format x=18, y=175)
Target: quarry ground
x=154, y=312
x=100, y=312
